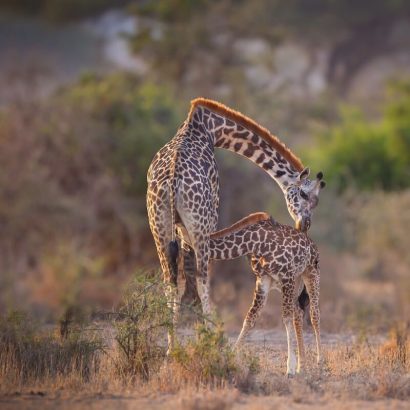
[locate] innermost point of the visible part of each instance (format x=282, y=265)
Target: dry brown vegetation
x=121, y=360
x=351, y=374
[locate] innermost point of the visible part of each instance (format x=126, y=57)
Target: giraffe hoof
x=290, y=375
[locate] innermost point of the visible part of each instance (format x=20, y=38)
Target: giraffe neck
x=231, y=130
x=241, y=238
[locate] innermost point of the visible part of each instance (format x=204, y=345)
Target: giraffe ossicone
x=281, y=258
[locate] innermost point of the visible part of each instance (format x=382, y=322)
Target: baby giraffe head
x=302, y=197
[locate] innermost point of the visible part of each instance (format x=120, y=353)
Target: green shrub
x=369, y=155
x=142, y=323
x=209, y=359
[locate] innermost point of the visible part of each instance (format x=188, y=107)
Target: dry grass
x=369, y=371
x=122, y=360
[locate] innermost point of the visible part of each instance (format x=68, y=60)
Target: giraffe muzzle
x=303, y=224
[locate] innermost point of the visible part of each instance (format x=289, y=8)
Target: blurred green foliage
x=137, y=119
x=73, y=181
x=369, y=155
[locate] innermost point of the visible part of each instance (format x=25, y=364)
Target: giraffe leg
x=288, y=304
x=198, y=231
x=171, y=293
x=203, y=284
x=159, y=220
x=190, y=296
x=312, y=282
x=260, y=297
x=298, y=325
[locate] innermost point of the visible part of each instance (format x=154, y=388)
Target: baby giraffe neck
x=239, y=239
x=229, y=247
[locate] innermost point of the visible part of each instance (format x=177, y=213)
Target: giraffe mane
x=251, y=125
x=244, y=222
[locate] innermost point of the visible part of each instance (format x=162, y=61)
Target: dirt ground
x=205, y=401
x=337, y=388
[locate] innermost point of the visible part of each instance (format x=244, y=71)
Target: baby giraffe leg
x=298, y=324
x=312, y=280
x=260, y=297
x=287, y=315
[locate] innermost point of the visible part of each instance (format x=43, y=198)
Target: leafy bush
x=358, y=153
x=209, y=359
x=142, y=323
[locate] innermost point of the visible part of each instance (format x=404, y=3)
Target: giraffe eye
x=304, y=195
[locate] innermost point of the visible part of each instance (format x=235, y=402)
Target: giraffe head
x=302, y=197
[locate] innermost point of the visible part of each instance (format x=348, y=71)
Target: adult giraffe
x=183, y=186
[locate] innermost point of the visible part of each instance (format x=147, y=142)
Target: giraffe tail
x=173, y=250
x=303, y=299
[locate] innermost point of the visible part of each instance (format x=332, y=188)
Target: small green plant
x=142, y=322
x=209, y=359
x=208, y=356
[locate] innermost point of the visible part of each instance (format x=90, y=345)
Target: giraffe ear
x=304, y=174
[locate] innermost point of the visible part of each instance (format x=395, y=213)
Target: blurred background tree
x=366, y=154
x=74, y=175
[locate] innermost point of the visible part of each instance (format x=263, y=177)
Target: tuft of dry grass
x=29, y=356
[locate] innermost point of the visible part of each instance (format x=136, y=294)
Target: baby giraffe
x=280, y=256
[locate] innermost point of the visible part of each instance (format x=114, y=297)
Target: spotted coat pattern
x=280, y=256
x=183, y=185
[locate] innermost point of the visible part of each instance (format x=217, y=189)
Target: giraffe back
x=274, y=248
